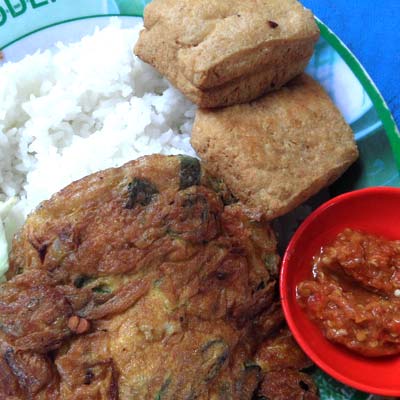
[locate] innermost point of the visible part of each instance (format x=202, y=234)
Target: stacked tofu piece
x=268, y=130
x=220, y=53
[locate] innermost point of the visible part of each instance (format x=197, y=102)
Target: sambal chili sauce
x=355, y=294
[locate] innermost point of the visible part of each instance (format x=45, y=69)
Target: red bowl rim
x=284, y=299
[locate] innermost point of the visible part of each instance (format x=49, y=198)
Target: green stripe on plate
x=379, y=103
x=376, y=98
x=66, y=21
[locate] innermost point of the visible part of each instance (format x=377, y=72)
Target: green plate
x=29, y=25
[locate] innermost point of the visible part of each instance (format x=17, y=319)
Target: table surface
x=371, y=30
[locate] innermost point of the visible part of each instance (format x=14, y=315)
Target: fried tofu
x=220, y=52
x=276, y=152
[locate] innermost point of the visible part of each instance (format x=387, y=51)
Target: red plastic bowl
x=374, y=210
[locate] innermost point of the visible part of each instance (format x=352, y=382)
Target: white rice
x=81, y=108
x=87, y=106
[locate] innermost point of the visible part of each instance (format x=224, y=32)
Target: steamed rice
x=81, y=108
x=84, y=107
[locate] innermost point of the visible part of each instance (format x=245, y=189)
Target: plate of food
x=151, y=175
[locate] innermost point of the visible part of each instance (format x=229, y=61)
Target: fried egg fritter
x=146, y=281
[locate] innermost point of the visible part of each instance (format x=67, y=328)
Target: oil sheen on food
x=354, y=296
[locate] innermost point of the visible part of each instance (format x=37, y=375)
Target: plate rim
x=383, y=111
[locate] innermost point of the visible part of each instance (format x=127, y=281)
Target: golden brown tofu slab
x=277, y=151
x=205, y=48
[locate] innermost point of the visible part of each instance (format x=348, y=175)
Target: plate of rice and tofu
x=151, y=173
